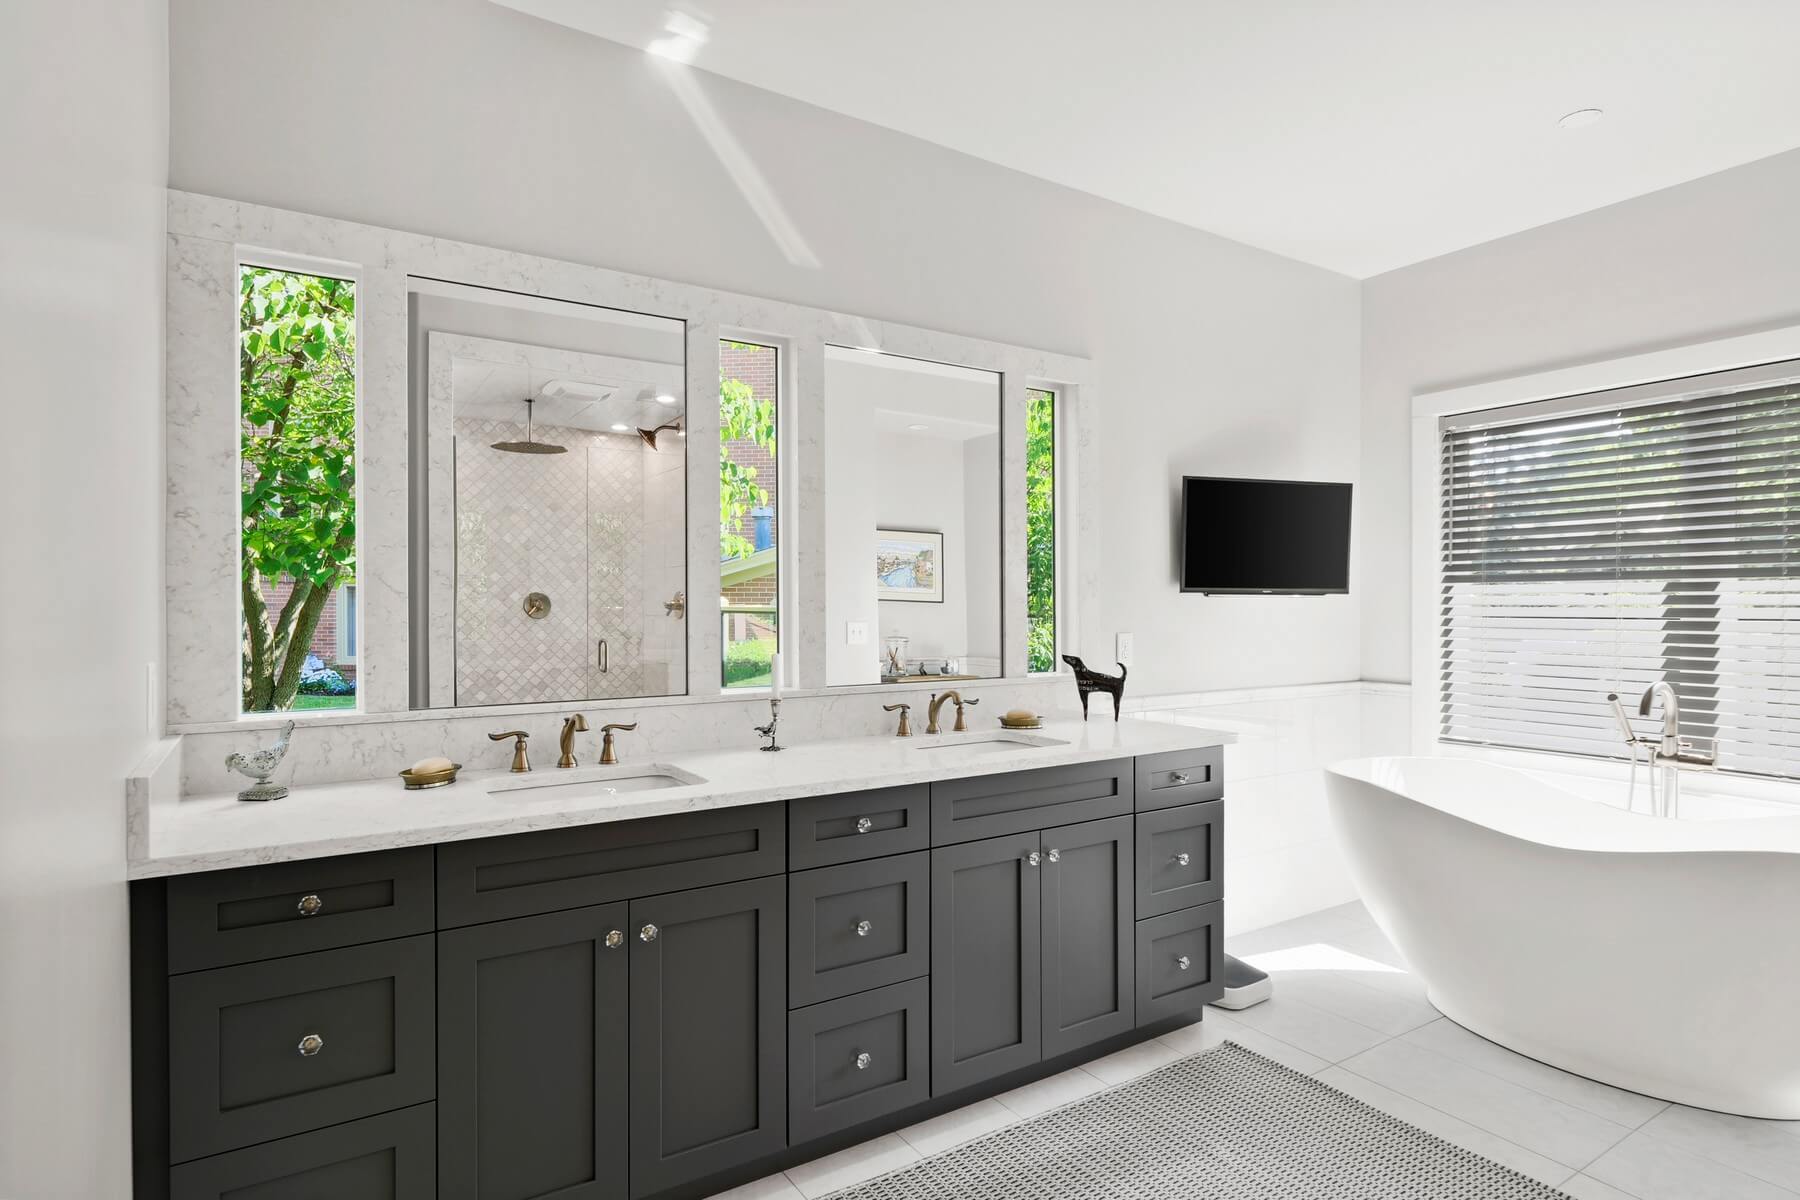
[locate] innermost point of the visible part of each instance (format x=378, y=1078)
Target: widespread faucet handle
x=905, y=710
x=961, y=726
x=520, y=764
x=609, y=755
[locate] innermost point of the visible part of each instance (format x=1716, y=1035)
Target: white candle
x=775, y=676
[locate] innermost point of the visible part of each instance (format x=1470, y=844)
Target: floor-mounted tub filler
x=1650, y=953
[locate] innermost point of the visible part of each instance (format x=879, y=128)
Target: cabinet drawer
x=966, y=810
x=1180, y=962
x=263, y=1050
x=858, y=926
x=529, y=873
x=823, y=830
x=225, y=917
x=1180, y=777
x=389, y=1157
x=1180, y=857
x=858, y=1058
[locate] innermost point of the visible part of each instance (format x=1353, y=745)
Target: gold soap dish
x=1020, y=719
x=419, y=781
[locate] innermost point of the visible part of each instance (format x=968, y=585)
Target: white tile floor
x=1346, y=1009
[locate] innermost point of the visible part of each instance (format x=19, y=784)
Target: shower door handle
x=600, y=657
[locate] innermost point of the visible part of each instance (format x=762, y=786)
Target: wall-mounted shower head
x=528, y=446
x=649, y=435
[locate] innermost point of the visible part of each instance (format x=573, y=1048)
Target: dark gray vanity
x=666, y=1006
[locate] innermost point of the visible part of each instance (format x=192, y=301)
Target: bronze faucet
x=572, y=726
x=905, y=729
x=520, y=763
x=937, y=702
x=609, y=756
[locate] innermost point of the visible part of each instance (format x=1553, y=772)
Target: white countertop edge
x=211, y=833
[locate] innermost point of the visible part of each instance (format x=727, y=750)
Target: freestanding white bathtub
x=1655, y=954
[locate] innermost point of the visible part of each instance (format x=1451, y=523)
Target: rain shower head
x=528, y=446
x=649, y=435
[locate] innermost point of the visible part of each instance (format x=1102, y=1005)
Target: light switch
x=1122, y=651
x=856, y=633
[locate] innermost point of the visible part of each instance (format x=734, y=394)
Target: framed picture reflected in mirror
x=909, y=565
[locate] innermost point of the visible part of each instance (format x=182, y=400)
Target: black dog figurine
x=1088, y=682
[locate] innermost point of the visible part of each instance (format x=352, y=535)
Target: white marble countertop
x=207, y=833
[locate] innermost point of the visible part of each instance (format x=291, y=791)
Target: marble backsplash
x=336, y=752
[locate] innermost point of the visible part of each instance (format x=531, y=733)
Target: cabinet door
x=532, y=1052
x=986, y=993
x=1087, y=933
x=708, y=1031
x=377, y=1158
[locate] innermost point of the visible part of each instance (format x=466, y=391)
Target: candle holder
x=768, y=730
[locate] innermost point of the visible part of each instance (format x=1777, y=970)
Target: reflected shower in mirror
x=554, y=510
x=912, y=524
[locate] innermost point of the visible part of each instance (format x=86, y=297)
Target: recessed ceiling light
x=1581, y=117
x=918, y=428
x=621, y=429
x=665, y=398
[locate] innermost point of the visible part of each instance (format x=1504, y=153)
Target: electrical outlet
x=856, y=633
x=1122, y=650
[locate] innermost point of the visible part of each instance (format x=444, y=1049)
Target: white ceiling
x=1357, y=136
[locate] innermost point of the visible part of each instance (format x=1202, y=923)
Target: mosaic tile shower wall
x=595, y=530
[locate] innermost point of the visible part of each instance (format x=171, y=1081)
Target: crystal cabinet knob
x=648, y=933
x=1183, y=859
x=1054, y=856
x=863, y=824
x=310, y=1045
x=615, y=938
x=310, y=905
x=1183, y=962
x=1178, y=777
x=862, y=928
x=863, y=1060
x=1033, y=859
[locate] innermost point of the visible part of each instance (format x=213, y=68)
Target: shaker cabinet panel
x=858, y=926
x=1087, y=933
x=988, y=806
x=532, y=1055
x=823, y=830
x=1180, y=857
x=858, y=1058
x=986, y=993
x=388, y=1157
x=219, y=918
x=708, y=1031
x=1180, y=962
x=266, y=1049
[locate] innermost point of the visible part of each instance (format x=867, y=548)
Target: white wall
x=83, y=136
x=1705, y=260
x=463, y=119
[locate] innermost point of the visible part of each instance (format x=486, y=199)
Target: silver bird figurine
x=260, y=765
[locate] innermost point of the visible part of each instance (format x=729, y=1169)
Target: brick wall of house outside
x=324, y=638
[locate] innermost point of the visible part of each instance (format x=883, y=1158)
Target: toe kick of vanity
x=667, y=1006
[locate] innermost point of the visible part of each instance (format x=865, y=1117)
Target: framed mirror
x=912, y=530
x=554, y=508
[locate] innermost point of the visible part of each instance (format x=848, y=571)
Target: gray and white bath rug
x=1225, y=1124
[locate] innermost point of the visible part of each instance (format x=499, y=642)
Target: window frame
x=255, y=258
x=1694, y=372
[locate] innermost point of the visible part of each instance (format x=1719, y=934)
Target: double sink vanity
x=656, y=979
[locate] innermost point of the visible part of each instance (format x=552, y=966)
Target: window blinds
x=1588, y=550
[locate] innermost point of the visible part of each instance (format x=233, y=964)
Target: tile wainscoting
x=1282, y=856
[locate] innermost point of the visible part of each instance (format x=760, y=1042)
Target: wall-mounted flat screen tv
x=1264, y=536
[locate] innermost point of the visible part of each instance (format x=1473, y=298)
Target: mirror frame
x=208, y=237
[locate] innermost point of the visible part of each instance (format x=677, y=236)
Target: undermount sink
x=579, y=783
x=973, y=745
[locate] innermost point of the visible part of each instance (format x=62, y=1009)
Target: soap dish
x=430, y=779
x=1030, y=722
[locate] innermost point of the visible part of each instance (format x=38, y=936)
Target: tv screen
x=1264, y=536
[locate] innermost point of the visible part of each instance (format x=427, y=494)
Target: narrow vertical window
x=297, y=458
x=749, y=504
x=1040, y=529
